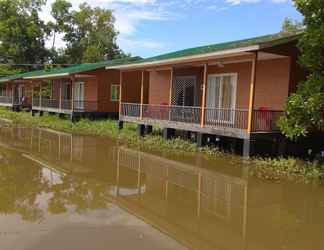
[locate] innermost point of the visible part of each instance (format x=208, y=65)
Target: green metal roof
x=68, y=70
x=262, y=42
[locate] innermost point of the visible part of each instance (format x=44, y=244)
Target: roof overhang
x=47, y=76
x=193, y=58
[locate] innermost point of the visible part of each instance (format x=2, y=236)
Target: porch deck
x=63, y=106
x=6, y=101
x=223, y=122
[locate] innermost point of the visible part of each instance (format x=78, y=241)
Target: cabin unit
x=235, y=91
x=85, y=90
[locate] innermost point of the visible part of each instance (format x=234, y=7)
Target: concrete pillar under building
x=120, y=125
x=148, y=129
x=201, y=139
x=168, y=133
x=141, y=129
x=248, y=148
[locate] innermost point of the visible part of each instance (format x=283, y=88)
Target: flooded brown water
x=59, y=191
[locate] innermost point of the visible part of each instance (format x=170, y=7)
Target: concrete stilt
x=247, y=148
x=33, y=112
x=41, y=113
x=148, y=129
x=201, y=139
x=141, y=129
x=120, y=125
x=168, y=133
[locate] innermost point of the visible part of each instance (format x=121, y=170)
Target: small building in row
x=231, y=93
x=81, y=90
x=234, y=91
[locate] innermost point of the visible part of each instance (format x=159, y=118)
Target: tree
x=89, y=33
x=22, y=32
x=60, y=11
x=305, y=108
x=291, y=26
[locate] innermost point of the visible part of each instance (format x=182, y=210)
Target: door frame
x=234, y=93
x=194, y=77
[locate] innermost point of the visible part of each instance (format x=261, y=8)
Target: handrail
x=263, y=121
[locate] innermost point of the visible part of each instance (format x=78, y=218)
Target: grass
x=264, y=168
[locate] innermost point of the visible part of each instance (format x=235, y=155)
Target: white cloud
x=237, y=2
x=130, y=14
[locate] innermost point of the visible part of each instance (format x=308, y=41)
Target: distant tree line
x=89, y=34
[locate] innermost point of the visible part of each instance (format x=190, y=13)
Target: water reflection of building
x=204, y=209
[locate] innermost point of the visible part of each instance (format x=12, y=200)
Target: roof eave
x=47, y=76
x=186, y=58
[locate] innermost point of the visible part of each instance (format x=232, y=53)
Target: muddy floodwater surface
x=69, y=192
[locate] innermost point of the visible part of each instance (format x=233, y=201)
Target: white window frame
x=234, y=92
x=111, y=91
x=79, y=104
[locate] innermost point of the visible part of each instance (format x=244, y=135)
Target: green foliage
x=291, y=26
x=22, y=32
x=6, y=70
x=89, y=32
x=305, y=108
x=288, y=169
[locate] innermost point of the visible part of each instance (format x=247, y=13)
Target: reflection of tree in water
x=20, y=185
x=79, y=194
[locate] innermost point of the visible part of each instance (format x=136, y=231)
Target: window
x=3, y=90
x=221, y=97
x=114, y=93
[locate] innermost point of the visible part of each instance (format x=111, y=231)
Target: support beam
x=171, y=86
x=120, y=91
x=72, y=94
x=141, y=130
x=148, y=129
x=201, y=139
x=168, y=133
x=170, y=90
x=60, y=97
x=203, y=99
x=40, y=94
x=248, y=149
x=252, y=92
x=142, y=94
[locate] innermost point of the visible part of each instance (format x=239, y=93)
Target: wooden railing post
x=60, y=97
x=142, y=94
x=120, y=92
x=40, y=94
x=252, y=92
x=170, y=91
x=12, y=94
x=203, y=99
x=72, y=93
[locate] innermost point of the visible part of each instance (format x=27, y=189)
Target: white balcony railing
x=263, y=120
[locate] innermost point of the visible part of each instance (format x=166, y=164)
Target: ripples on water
x=59, y=191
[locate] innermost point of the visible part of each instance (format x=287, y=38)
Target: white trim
x=47, y=76
x=111, y=87
x=234, y=93
x=180, y=59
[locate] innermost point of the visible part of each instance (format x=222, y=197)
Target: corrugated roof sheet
x=69, y=70
x=262, y=42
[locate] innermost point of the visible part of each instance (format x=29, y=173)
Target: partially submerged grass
x=286, y=168
x=264, y=168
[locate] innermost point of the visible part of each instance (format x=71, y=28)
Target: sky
x=152, y=27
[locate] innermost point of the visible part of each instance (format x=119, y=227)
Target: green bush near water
x=268, y=169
